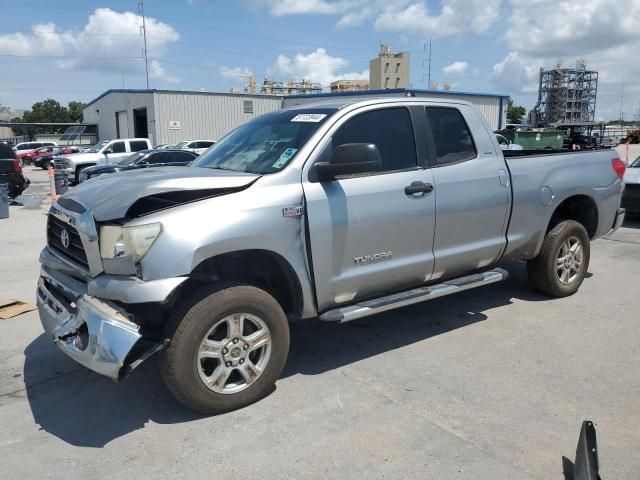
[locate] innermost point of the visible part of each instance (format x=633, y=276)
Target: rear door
x=472, y=191
x=368, y=237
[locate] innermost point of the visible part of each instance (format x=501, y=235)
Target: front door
x=367, y=235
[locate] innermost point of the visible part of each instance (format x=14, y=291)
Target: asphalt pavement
x=493, y=383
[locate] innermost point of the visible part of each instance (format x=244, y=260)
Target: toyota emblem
x=64, y=238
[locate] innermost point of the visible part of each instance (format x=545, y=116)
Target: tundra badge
x=373, y=257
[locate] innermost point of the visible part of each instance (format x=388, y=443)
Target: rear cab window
x=451, y=136
x=137, y=145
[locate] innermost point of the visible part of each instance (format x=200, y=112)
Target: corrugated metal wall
x=205, y=116
x=103, y=113
x=490, y=106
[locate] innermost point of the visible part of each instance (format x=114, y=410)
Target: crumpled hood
x=632, y=175
x=111, y=197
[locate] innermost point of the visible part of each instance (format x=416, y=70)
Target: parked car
x=324, y=211
x=142, y=159
x=198, y=146
x=163, y=146
x=46, y=160
x=27, y=158
x=631, y=194
x=28, y=147
x=11, y=171
x=102, y=153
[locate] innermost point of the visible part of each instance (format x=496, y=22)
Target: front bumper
x=92, y=332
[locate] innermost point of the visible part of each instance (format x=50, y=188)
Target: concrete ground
x=490, y=384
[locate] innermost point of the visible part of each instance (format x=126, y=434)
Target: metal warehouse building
x=170, y=116
x=492, y=106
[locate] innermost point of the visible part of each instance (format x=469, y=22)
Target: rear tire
x=562, y=263
x=227, y=351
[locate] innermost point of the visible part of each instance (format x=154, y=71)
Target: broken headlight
x=134, y=242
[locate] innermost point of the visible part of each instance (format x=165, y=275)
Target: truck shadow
x=318, y=347
x=85, y=409
x=631, y=221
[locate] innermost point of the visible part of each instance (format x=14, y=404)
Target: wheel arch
x=263, y=269
x=580, y=208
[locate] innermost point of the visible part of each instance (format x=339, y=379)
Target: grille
x=75, y=252
x=58, y=163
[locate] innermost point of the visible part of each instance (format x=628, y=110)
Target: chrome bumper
x=88, y=330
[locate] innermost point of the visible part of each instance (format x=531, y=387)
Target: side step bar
x=417, y=295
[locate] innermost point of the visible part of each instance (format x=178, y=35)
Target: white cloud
x=455, y=18
x=303, y=7
x=516, y=74
x=569, y=28
x=318, y=66
x=236, y=73
x=107, y=34
x=456, y=68
x=157, y=71
x=355, y=18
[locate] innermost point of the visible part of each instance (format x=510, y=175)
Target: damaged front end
x=95, y=334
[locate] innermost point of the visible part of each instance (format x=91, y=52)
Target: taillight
x=16, y=166
x=618, y=167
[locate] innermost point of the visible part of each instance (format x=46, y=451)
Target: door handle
x=418, y=187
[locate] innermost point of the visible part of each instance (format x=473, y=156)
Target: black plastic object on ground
x=61, y=182
x=586, y=463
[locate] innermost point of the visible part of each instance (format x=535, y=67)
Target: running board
x=417, y=295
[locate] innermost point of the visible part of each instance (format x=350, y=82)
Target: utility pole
x=621, y=98
x=424, y=51
x=143, y=30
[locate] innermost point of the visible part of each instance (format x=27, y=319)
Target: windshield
x=635, y=163
x=131, y=159
x=98, y=146
x=266, y=144
x=180, y=145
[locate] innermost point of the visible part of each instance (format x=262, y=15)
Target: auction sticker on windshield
x=284, y=157
x=309, y=117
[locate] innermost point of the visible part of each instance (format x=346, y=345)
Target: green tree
x=515, y=113
x=75, y=111
x=48, y=111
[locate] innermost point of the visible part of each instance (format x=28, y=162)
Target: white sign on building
x=174, y=125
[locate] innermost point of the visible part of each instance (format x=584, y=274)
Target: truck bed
x=551, y=177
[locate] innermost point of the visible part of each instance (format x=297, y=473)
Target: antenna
x=143, y=30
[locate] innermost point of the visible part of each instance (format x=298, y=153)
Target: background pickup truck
x=102, y=153
x=332, y=211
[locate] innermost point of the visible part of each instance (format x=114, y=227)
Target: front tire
x=227, y=351
x=562, y=263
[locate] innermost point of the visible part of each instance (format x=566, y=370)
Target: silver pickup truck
x=333, y=211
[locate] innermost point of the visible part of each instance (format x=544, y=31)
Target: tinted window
x=118, y=147
x=24, y=146
x=155, y=158
x=137, y=145
x=181, y=157
x=451, y=135
x=389, y=129
x=204, y=144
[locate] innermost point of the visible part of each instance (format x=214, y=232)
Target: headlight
x=66, y=163
x=135, y=242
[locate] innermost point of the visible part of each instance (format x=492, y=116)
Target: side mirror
x=108, y=151
x=350, y=159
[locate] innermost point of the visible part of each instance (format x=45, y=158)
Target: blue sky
x=75, y=49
